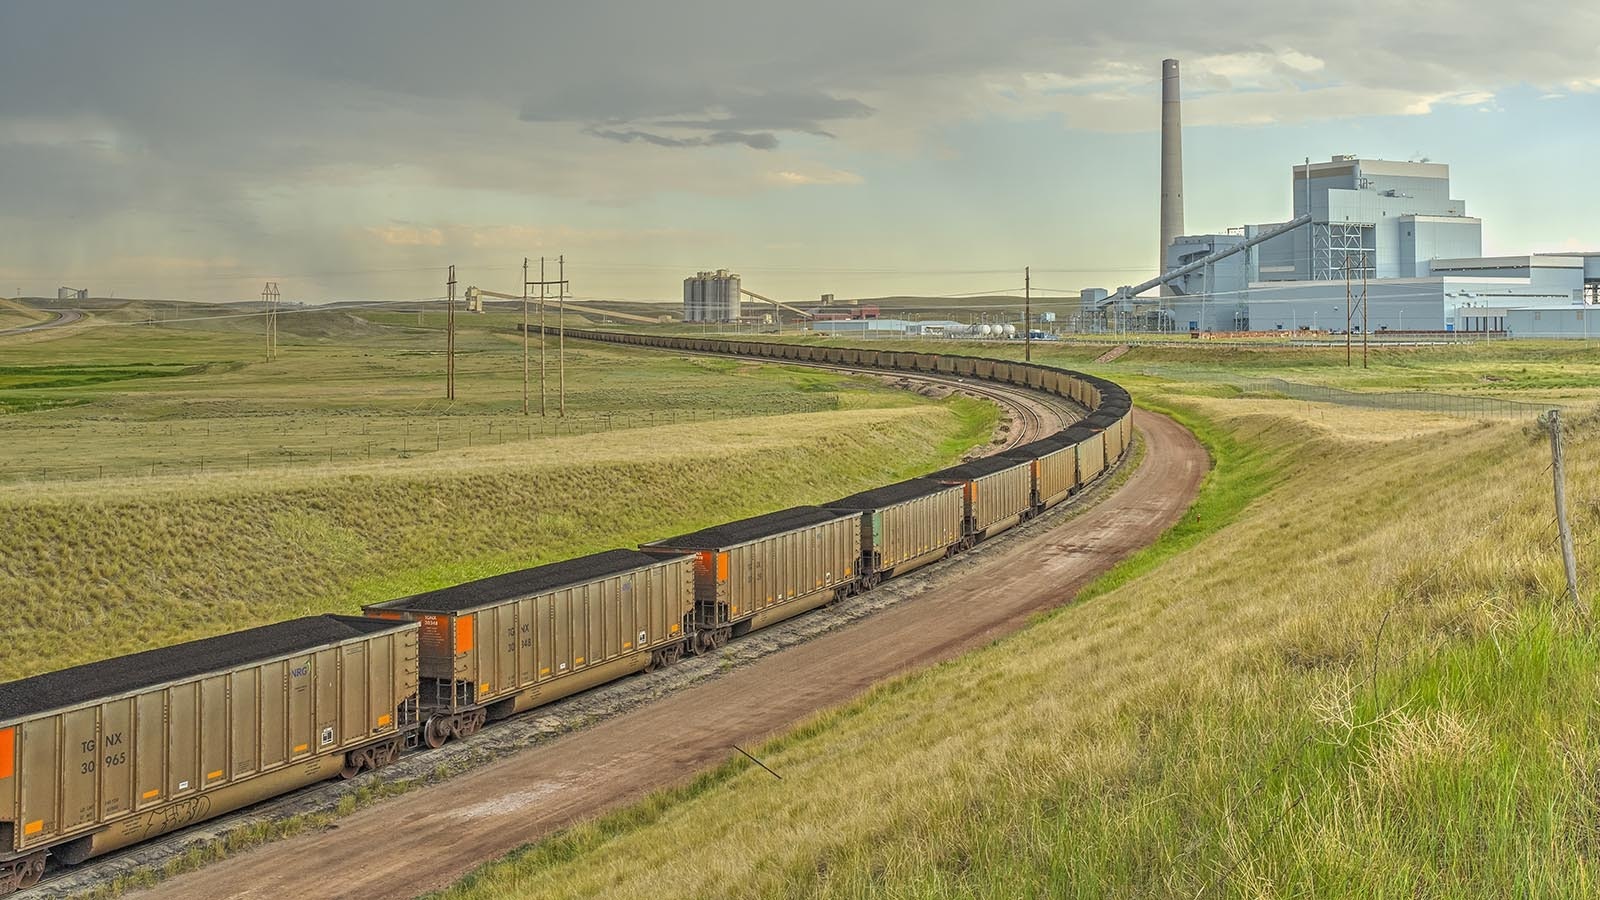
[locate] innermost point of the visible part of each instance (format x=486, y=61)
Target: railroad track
x=1038, y=413
x=1032, y=414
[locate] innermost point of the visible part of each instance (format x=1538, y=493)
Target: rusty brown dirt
x=429, y=838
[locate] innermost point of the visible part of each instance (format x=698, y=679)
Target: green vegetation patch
x=80, y=376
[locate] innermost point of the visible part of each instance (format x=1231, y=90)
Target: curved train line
x=432, y=718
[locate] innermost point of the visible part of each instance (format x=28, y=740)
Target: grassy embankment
x=116, y=398
x=18, y=315
x=92, y=569
x=1350, y=674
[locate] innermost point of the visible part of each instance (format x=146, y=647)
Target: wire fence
x=1460, y=405
x=188, y=448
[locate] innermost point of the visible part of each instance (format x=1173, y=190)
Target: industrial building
x=874, y=328
x=1391, y=224
x=1391, y=232
x=1385, y=219
x=711, y=297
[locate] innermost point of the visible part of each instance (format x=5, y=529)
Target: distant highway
x=63, y=317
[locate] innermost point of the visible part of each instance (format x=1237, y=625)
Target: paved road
x=63, y=317
x=427, y=839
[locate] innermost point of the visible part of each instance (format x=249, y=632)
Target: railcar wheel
x=25, y=873
x=354, y=764
x=436, y=731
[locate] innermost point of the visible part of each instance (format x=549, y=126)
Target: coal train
x=105, y=755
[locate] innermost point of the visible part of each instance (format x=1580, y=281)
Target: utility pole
x=450, y=338
x=1349, y=311
x=1569, y=558
x=524, y=335
x=561, y=323
x=269, y=301
x=266, y=317
x=1363, y=314
x=1027, y=314
x=542, y=292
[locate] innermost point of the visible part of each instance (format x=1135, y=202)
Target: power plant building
x=1394, y=224
x=1392, y=230
x=711, y=297
x=1385, y=218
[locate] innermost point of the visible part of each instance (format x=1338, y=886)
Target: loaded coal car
x=1090, y=446
x=998, y=494
x=1117, y=428
x=1054, y=463
x=104, y=755
x=756, y=572
x=905, y=526
x=508, y=643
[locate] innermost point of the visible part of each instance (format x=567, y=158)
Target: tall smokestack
x=1171, y=164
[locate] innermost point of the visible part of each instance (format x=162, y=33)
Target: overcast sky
x=353, y=149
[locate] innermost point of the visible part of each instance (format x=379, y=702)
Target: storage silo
x=711, y=297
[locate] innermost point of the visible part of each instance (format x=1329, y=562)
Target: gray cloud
x=748, y=118
x=761, y=140
x=260, y=130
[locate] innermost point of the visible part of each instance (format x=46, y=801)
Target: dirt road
x=426, y=839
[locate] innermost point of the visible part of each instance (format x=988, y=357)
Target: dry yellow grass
x=97, y=569
x=1336, y=423
x=17, y=315
x=1226, y=722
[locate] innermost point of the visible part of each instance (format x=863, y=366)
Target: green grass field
x=149, y=493
x=121, y=399
x=1536, y=371
x=1349, y=672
